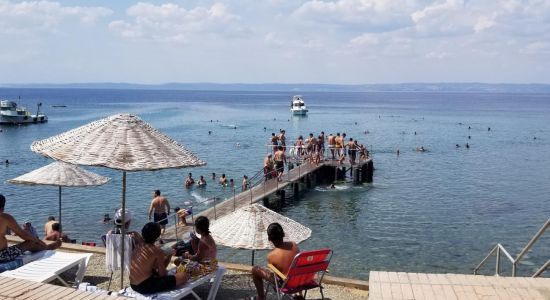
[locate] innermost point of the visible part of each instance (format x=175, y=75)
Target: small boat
x=10, y=113
x=298, y=106
x=59, y=105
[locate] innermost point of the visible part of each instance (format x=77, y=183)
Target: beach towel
x=112, y=253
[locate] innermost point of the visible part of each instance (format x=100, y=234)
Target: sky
x=275, y=41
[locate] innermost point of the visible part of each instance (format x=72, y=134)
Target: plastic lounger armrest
x=276, y=271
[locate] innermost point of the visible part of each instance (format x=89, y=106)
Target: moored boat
x=298, y=106
x=10, y=113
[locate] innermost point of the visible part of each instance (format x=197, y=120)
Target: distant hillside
x=286, y=87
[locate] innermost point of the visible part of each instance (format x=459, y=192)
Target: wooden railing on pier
x=256, y=193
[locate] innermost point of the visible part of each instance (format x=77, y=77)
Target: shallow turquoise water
x=439, y=211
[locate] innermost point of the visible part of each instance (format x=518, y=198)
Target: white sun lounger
x=184, y=290
x=51, y=266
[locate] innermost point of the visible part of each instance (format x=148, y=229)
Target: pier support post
x=296, y=190
x=356, y=175
x=266, y=201
x=308, y=181
x=370, y=171
x=282, y=195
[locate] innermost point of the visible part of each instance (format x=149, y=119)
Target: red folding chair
x=305, y=273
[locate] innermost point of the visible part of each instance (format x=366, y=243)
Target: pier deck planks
x=383, y=286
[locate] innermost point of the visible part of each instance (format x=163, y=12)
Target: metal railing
x=499, y=248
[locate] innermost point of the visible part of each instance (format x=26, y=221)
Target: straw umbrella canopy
x=122, y=142
x=246, y=228
x=60, y=174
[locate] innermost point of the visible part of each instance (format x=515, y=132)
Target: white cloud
x=536, y=48
x=172, y=23
x=366, y=39
x=369, y=15
x=44, y=16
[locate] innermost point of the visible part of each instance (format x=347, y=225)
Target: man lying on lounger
x=30, y=243
x=281, y=257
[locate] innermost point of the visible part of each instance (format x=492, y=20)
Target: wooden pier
x=299, y=177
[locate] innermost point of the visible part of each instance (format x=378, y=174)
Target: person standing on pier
x=282, y=139
x=280, y=160
x=245, y=183
x=321, y=142
x=274, y=142
x=160, y=208
x=332, y=144
x=352, y=151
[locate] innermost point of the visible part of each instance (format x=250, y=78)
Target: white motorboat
x=10, y=113
x=298, y=106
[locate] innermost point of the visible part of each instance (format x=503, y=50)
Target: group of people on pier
x=311, y=149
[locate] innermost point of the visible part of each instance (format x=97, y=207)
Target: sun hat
x=118, y=216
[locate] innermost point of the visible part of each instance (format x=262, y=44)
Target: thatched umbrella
x=121, y=142
x=60, y=174
x=246, y=228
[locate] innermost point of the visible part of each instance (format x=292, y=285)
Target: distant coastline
x=287, y=87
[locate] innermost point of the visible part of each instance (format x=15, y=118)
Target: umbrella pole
x=123, y=231
x=61, y=228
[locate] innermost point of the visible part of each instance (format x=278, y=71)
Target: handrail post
x=234, y=200
x=514, y=269
x=215, y=215
x=250, y=196
x=497, y=268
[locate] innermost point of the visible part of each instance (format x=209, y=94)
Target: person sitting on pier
x=281, y=257
x=182, y=215
x=30, y=243
x=280, y=160
x=189, y=181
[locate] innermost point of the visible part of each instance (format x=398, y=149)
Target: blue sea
x=437, y=211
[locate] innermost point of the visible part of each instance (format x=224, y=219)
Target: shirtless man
x=281, y=257
x=268, y=166
x=161, y=209
x=48, y=225
x=31, y=243
x=338, y=144
x=332, y=144
x=282, y=139
x=352, y=151
x=274, y=141
x=189, y=181
x=148, y=266
x=280, y=160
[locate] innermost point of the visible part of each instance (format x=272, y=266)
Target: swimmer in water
x=457, y=145
x=7, y=162
x=469, y=137
x=238, y=145
x=209, y=132
x=467, y=146
x=421, y=149
x=332, y=186
x=397, y=152
x=106, y=218
x=213, y=176
x=223, y=180
x=201, y=181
